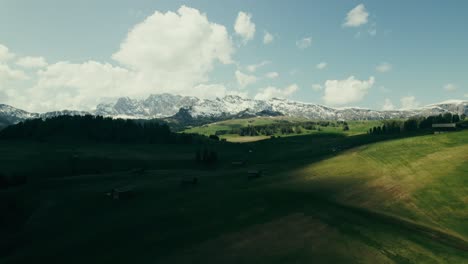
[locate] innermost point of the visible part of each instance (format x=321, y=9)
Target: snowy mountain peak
x=167, y=105
x=11, y=115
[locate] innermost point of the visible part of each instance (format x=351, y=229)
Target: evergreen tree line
x=283, y=128
x=415, y=124
x=96, y=129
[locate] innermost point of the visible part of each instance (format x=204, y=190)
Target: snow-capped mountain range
x=167, y=105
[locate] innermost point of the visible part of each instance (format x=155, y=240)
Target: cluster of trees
x=206, y=156
x=415, y=124
x=94, y=128
x=283, y=128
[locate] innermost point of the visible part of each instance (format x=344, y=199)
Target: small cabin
x=254, y=174
x=122, y=193
x=442, y=128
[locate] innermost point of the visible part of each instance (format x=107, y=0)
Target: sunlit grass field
x=422, y=178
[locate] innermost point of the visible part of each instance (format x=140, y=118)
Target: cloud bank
x=273, y=92
x=388, y=105
x=350, y=90
x=409, y=102
x=31, y=62
x=170, y=52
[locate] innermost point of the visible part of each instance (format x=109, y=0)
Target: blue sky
x=382, y=55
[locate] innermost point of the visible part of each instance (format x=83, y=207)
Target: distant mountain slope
x=10, y=115
x=165, y=105
x=228, y=107
x=155, y=106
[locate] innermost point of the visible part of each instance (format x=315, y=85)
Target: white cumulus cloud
x=5, y=53
x=450, y=87
x=356, y=17
x=373, y=30
x=383, y=89
x=304, y=43
x=212, y=91
x=317, y=87
x=244, y=79
x=182, y=45
x=409, y=102
x=66, y=85
x=9, y=74
x=254, y=67
x=321, y=65
x=273, y=92
x=340, y=92
x=244, y=27
x=171, y=52
x=384, y=67
x=31, y=62
x=268, y=38
x=272, y=75
x=388, y=105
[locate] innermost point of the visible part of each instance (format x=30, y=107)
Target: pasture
x=355, y=127
x=324, y=198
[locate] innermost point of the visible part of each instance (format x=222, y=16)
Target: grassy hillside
x=324, y=198
x=424, y=179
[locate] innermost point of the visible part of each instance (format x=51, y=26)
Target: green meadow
x=324, y=197
x=355, y=127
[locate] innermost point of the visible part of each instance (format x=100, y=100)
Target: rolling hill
x=423, y=179
x=402, y=200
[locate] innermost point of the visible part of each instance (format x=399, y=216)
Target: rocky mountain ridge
x=231, y=106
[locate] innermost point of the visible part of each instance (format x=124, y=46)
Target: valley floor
x=402, y=200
